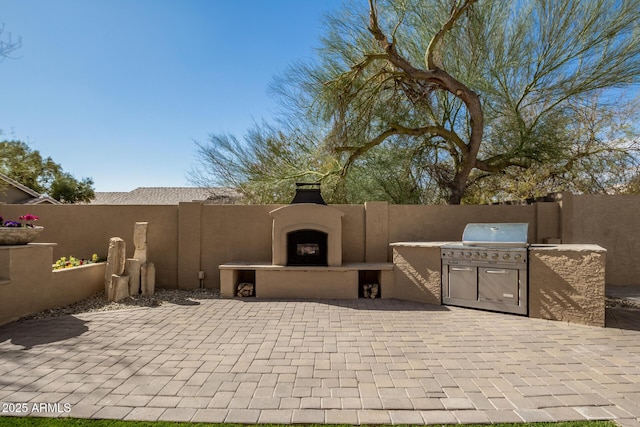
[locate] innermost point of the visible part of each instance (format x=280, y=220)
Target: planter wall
x=28, y=285
x=76, y=283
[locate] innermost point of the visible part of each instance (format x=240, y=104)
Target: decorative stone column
x=116, y=258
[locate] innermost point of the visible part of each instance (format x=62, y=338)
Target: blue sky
x=118, y=90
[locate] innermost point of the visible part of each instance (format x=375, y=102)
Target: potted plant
x=19, y=233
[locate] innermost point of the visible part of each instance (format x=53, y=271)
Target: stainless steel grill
x=488, y=269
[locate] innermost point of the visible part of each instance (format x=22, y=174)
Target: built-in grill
x=488, y=269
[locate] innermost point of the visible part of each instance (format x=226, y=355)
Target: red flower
x=29, y=217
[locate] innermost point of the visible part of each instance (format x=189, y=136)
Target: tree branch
x=396, y=129
x=436, y=41
x=444, y=81
x=364, y=148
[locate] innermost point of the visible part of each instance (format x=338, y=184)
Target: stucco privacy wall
x=612, y=222
x=444, y=223
x=193, y=237
x=81, y=230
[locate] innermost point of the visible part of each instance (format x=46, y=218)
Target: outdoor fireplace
x=307, y=232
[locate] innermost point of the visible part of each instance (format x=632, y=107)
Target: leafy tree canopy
x=29, y=168
x=456, y=101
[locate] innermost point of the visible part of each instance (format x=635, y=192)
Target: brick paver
x=353, y=362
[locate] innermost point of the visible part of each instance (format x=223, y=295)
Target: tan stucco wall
x=81, y=230
x=75, y=284
x=193, y=237
x=353, y=233
x=376, y=232
x=28, y=285
x=612, y=222
x=567, y=282
x=329, y=284
x=233, y=234
x=409, y=223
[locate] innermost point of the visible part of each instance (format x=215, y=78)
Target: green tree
x=266, y=168
x=19, y=162
x=600, y=156
x=67, y=189
x=446, y=100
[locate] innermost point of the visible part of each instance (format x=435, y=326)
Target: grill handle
x=461, y=268
x=496, y=271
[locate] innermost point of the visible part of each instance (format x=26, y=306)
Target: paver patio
x=353, y=362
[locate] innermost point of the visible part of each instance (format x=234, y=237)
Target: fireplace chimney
x=304, y=194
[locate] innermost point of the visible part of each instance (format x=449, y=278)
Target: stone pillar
x=148, y=278
x=118, y=288
x=132, y=269
x=140, y=241
x=115, y=261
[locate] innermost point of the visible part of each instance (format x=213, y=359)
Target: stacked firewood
x=370, y=290
x=245, y=289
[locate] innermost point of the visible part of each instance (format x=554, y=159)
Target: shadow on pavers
x=33, y=332
x=623, y=317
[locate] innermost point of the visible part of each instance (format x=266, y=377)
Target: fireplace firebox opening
x=307, y=248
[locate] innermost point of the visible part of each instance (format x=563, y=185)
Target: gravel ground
x=98, y=302
x=619, y=302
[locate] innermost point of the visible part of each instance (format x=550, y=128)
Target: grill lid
x=513, y=234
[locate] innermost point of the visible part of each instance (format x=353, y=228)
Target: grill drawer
x=498, y=284
x=462, y=282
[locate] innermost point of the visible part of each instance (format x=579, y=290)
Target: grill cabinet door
x=498, y=284
x=463, y=282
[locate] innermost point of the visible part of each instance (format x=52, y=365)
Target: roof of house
x=31, y=197
x=167, y=196
x=43, y=198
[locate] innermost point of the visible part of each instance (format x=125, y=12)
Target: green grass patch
x=77, y=422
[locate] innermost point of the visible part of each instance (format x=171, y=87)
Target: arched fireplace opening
x=307, y=248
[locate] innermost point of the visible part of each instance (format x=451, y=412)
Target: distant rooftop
x=167, y=196
x=12, y=192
